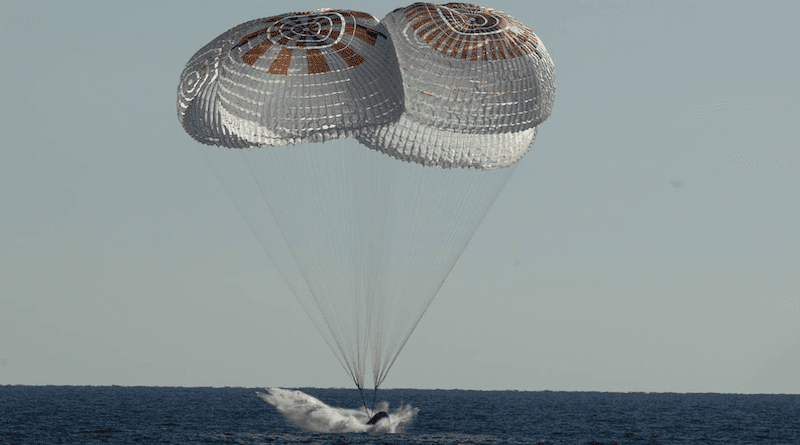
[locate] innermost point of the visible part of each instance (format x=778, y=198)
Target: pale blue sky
x=648, y=242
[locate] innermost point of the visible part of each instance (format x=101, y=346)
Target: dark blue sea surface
x=115, y=414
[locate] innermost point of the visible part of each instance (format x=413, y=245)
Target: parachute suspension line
x=250, y=157
x=322, y=181
x=363, y=241
x=371, y=411
x=478, y=191
x=225, y=161
x=364, y=403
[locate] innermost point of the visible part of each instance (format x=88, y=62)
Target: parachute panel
x=289, y=79
x=476, y=81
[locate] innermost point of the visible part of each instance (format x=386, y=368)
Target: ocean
x=165, y=415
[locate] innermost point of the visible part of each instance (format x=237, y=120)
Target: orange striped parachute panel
x=477, y=83
x=291, y=78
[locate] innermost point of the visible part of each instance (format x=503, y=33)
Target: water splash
x=311, y=414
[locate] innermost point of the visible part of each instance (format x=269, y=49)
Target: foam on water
x=311, y=414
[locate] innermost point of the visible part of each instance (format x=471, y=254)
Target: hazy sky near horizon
x=648, y=242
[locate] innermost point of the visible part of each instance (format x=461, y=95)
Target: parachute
x=423, y=116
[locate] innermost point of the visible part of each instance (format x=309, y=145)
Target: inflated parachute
x=477, y=83
x=291, y=78
x=453, y=94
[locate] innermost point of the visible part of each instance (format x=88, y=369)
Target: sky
x=648, y=242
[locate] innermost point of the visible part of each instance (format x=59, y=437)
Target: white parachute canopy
x=444, y=100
